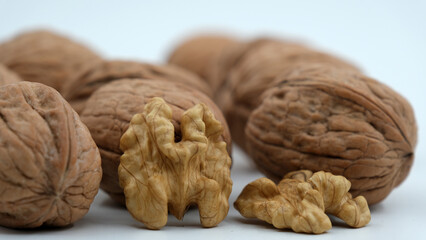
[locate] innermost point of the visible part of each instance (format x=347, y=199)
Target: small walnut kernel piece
x=292, y=204
x=337, y=199
x=301, y=200
x=159, y=174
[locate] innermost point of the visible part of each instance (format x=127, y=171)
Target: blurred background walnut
x=7, y=76
x=81, y=87
x=161, y=175
x=197, y=54
x=50, y=167
x=109, y=110
x=45, y=57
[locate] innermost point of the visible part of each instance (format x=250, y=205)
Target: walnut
x=198, y=53
x=159, y=174
x=301, y=200
x=79, y=89
x=109, y=110
x=50, y=167
x=45, y=57
x=337, y=200
x=7, y=76
x=320, y=117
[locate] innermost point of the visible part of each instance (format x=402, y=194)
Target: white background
x=385, y=38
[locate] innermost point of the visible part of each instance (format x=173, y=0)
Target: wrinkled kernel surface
x=301, y=201
x=160, y=175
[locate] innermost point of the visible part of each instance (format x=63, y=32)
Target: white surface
x=386, y=38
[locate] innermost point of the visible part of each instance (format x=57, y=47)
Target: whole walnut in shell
x=322, y=117
x=7, y=76
x=81, y=87
x=109, y=110
x=45, y=57
x=50, y=167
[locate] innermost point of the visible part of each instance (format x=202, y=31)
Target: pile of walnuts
x=156, y=137
x=292, y=108
x=64, y=112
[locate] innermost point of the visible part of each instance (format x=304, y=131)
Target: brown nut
x=161, y=175
x=301, y=200
x=50, y=167
x=323, y=117
x=81, y=87
x=7, y=76
x=198, y=53
x=109, y=110
x=45, y=57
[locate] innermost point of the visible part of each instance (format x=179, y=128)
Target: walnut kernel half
x=159, y=174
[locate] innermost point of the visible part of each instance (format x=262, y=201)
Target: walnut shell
x=45, y=57
x=197, y=54
x=78, y=90
x=50, y=167
x=323, y=117
x=109, y=110
x=7, y=76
